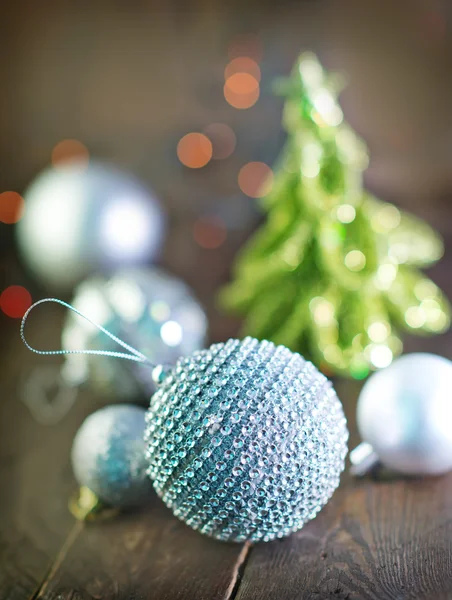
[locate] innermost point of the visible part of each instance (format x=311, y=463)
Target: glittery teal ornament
x=245, y=441
x=108, y=456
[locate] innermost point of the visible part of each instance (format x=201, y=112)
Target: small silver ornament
x=83, y=219
x=108, y=456
x=245, y=440
x=404, y=416
x=150, y=309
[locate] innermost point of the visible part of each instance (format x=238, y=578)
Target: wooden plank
x=148, y=554
x=35, y=475
x=374, y=541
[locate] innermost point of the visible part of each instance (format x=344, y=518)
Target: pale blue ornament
x=108, y=456
x=151, y=310
x=90, y=218
x=245, y=440
x=404, y=416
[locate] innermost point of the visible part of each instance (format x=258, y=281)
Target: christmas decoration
x=404, y=414
x=108, y=456
x=245, y=441
x=333, y=273
x=85, y=218
x=150, y=309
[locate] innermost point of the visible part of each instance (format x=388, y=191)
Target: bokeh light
x=171, y=333
x=241, y=101
x=346, y=213
x=69, y=151
x=242, y=83
x=241, y=90
x=12, y=207
x=378, y=331
x=380, y=355
x=255, y=179
x=246, y=45
x=194, y=150
x=355, y=260
x=15, y=300
x=223, y=140
x=209, y=232
x=243, y=64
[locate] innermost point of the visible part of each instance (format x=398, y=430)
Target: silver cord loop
x=134, y=355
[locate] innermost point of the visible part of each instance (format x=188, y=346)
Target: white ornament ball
x=405, y=413
x=85, y=218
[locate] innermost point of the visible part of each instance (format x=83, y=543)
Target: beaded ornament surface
x=245, y=440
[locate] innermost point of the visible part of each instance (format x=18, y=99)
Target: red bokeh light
x=255, y=179
x=209, y=232
x=243, y=64
x=12, y=207
x=223, y=139
x=68, y=151
x=246, y=45
x=15, y=300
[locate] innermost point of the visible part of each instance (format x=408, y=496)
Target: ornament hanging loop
x=133, y=354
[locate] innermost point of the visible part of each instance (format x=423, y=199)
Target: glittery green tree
x=333, y=272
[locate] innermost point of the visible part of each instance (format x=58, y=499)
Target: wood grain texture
x=374, y=541
x=34, y=483
x=142, y=555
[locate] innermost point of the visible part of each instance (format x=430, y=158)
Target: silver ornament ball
x=245, y=441
x=86, y=218
x=108, y=456
x=405, y=413
x=149, y=309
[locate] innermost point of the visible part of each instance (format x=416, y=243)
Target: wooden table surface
x=376, y=539
x=130, y=83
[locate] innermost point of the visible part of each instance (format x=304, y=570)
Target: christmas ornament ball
x=108, y=455
x=151, y=310
x=405, y=413
x=245, y=440
x=85, y=218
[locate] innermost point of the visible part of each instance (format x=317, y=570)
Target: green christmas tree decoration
x=334, y=272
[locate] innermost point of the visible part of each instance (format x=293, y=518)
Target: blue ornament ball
x=245, y=440
x=149, y=309
x=82, y=219
x=108, y=456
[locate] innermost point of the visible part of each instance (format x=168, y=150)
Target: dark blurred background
x=130, y=79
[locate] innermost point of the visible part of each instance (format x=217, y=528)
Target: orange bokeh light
x=223, y=139
x=194, y=150
x=241, y=83
x=255, y=179
x=209, y=232
x=15, y=300
x=12, y=207
x=68, y=151
x=241, y=90
x=246, y=45
x=243, y=64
